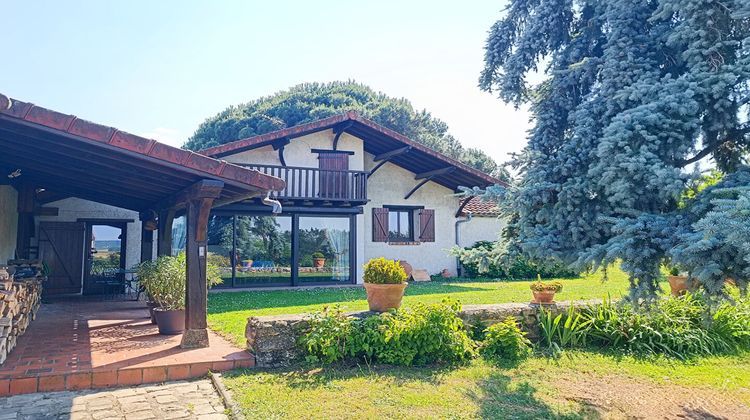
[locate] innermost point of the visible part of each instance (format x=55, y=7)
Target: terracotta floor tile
x=130, y=377
x=80, y=337
x=78, y=381
x=51, y=383
x=23, y=386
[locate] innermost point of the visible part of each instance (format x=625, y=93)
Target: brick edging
x=116, y=378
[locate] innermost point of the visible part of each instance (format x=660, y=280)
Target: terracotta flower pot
x=319, y=262
x=543, y=296
x=384, y=297
x=170, y=322
x=679, y=285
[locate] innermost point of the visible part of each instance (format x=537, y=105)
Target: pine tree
x=634, y=93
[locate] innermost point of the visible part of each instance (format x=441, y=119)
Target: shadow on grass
x=498, y=398
x=495, y=394
x=263, y=299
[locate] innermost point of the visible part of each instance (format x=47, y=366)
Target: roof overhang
x=69, y=156
x=378, y=140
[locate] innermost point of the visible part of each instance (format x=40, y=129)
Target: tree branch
x=733, y=135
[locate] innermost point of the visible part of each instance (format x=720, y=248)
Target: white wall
x=480, y=229
x=8, y=222
x=388, y=186
x=299, y=151
x=72, y=209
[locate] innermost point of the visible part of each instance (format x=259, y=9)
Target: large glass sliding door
x=324, y=251
x=261, y=250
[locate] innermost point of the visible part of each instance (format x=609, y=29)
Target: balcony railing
x=317, y=184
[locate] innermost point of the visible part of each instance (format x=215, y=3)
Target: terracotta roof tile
x=480, y=208
x=71, y=125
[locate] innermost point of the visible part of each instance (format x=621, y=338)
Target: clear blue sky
x=159, y=68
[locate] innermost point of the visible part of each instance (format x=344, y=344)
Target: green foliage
x=423, y=334
x=164, y=280
x=312, y=101
x=318, y=255
x=676, y=327
x=565, y=330
x=488, y=259
x=546, y=286
x=505, y=341
x=326, y=339
x=633, y=93
x=384, y=271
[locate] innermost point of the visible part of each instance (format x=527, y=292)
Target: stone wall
x=273, y=339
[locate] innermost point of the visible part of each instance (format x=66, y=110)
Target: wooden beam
x=198, y=211
x=47, y=196
x=206, y=188
x=416, y=187
x=338, y=130
x=392, y=153
x=436, y=172
x=164, y=235
x=280, y=145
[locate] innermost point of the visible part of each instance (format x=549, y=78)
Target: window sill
x=405, y=243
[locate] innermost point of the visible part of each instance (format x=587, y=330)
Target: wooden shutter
x=427, y=225
x=379, y=225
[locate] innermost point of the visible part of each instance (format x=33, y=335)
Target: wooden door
x=61, y=247
x=333, y=176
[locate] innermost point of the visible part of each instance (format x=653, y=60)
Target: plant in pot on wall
x=385, y=282
x=164, y=283
x=319, y=260
x=544, y=291
x=679, y=281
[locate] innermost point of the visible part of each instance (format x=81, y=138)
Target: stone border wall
x=273, y=339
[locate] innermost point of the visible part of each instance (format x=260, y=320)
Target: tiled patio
x=89, y=344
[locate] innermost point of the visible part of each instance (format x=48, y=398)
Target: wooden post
x=25, y=208
x=147, y=237
x=164, y=236
x=198, y=210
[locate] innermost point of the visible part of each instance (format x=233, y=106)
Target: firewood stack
x=20, y=298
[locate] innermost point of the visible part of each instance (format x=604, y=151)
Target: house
x=370, y=190
x=352, y=190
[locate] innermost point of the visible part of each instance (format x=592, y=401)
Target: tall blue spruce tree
x=634, y=95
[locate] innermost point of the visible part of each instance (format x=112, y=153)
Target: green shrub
x=518, y=267
x=505, y=341
x=326, y=338
x=318, y=255
x=164, y=280
x=384, y=271
x=423, y=334
x=569, y=329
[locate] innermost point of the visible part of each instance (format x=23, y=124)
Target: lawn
x=228, y=311
x=580, y=384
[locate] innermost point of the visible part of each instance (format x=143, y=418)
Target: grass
x=536, y=388
x=228, y=311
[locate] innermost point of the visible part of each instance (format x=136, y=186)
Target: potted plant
x=544, y=292
x=679, y=281
x=385, y=282
x=164, y=282
x=319, y=260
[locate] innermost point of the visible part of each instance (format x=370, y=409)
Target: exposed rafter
x=436, y=172
x=338, y=130
x=280, y=145
x=206, y=188
x=383, y=158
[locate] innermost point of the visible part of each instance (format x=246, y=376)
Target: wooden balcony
x=317, y=185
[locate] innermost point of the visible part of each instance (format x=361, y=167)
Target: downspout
x=275, y=204
x=458, y=241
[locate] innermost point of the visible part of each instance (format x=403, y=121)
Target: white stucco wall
x=480, y=229
x=388, y=186
x=8, y=222
x=299, y=151
x=72, y=209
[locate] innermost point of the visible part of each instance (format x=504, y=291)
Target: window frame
x=410, y=215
